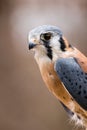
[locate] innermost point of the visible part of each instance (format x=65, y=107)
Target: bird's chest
x=49, y=76
x=53, y=83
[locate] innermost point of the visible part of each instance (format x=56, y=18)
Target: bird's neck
x=42, y=58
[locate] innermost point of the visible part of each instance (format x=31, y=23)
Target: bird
x=63, y=69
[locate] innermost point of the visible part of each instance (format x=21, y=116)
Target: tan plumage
x=48, y=73
x=57, y=88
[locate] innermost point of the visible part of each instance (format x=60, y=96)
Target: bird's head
x=47, y=41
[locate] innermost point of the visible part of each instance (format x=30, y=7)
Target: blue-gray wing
x=73, y=78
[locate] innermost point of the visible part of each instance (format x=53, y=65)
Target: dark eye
x=46, y=36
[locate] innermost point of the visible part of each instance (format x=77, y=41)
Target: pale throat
x=41, y=56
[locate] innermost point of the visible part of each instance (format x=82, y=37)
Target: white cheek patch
x=55, y=42
x=56, y=47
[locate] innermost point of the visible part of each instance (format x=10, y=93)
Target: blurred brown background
x=25, y=102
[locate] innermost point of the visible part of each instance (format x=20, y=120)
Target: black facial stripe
x=49, y=50
x=49, y=53
x=63, y=46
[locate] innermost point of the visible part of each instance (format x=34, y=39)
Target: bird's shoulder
x=81, y=59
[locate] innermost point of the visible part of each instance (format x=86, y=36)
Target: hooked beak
x=31, y=45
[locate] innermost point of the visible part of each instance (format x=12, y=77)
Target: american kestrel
x=63, y=69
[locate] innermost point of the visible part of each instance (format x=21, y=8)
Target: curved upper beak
x=31, y=45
